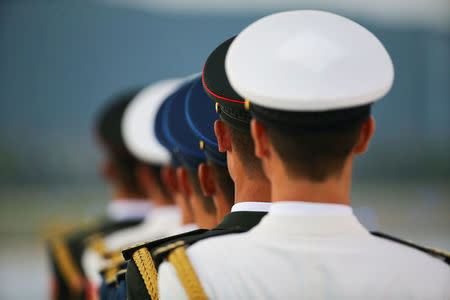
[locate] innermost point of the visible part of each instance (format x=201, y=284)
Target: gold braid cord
x=67, y=266
x=146, y=266
x=110, y=274
x=96, y=243
x=116, y=258
x=186, y=274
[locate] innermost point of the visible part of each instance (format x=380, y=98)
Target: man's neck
x=251, y=190
x=187, y=217
x=334, y=190
x=203, y=218
x=223, y=206
x=157, y=197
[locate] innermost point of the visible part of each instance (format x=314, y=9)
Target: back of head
x=224, y=181
x=317, y=153
x=201, y=116
x=184, y=144
x=311, y=84
x=141, y=129
x=109, y=134
x=231, y=108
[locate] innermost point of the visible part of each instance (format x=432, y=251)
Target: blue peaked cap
x=160, y=136
x=201, y=115
x=181, y=140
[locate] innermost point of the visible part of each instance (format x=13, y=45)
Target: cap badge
x=247, y=105
x=217, y=107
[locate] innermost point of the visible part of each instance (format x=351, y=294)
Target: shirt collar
x=251, y=206
x=128, y=209
x=300, y=208
x=309, y=219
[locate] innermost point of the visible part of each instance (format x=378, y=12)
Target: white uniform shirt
x=309, y=251
x=251, y=206
x=158, y=223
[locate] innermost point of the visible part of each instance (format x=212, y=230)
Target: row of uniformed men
x=291, y=95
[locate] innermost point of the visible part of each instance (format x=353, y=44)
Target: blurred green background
x=60, y=60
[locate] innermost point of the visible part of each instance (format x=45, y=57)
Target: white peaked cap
x=308, y=60
x=138, y=122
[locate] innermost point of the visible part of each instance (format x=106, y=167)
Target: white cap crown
x=308, y=60
x=138, y=123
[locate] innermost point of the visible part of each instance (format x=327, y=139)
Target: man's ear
x=259, y=135
x=183, y=181
x=169, y=178
x=207, y=179
x=223, y=136
x=365, y=135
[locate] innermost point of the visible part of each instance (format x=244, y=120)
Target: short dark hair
x=108, y=131
x=245, y=149
x=208, y=202
x=315, y=155
x=224, y=180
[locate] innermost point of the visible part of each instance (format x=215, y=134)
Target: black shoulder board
x=442, y=255
x=161, y=253
x=128, y=252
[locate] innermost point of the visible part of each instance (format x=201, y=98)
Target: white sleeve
x=92, y=264
x=169, y=285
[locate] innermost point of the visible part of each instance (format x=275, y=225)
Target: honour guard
x=251, y=200
x=310, y=79
x=142, y=129
x=164, y=218
x=127, y=209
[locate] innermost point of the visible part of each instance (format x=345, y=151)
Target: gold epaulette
x=168, y=247
x=154, y=244
x=147, y=269
x=67, y=265
x=112, y=263
x=114, y=257
x=96, y=243
x=128, y=252
x=186, y=274
x=109, y=274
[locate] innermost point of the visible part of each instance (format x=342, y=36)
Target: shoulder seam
x=445, y=256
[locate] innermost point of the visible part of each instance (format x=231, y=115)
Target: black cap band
x=292, y=122
x=218, y=88
x=239, y=119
